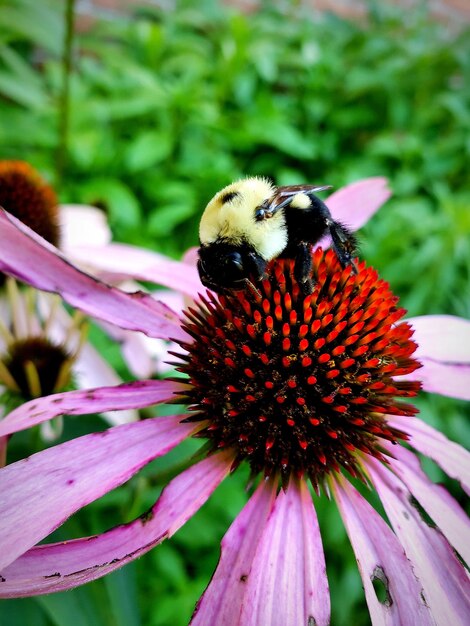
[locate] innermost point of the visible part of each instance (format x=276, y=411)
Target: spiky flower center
x=24, y=194
x=300, y=384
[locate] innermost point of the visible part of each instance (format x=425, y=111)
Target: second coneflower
x=42, y=347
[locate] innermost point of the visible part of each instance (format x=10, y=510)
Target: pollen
x=302, y=385
x=24, y=194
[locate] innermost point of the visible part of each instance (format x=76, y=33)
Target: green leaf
x=35, y=22
x=22, y=611
x=122, y=590
x=20, y=82
x=75, y=607
x=164, y=220
x=148, y=149
x=119, y=200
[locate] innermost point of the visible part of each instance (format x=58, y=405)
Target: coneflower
x=307, y=390
x=42, y=347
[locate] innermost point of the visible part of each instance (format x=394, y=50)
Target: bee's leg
x=344, y=242
x=256, y=267
x=252, y=289
x=303, y=268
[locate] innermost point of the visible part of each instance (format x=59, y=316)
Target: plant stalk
x=64, y=98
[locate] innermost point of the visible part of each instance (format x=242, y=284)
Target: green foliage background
x=166, y=108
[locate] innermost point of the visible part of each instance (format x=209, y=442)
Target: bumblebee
x=251, y=222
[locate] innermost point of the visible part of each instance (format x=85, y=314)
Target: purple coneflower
x=308, y=391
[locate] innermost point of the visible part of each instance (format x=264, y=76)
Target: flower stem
x=64, y=98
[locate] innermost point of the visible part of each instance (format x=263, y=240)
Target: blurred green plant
x=166, y=108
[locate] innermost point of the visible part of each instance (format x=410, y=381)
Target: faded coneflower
x=307, y=391
x=42, y=347
x=32, y=362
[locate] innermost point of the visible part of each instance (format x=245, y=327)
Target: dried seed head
x=24, y=194
x=35, y=365
x=38, y=347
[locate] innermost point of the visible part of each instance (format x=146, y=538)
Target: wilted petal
x=445, y=582
x=355, y=204
x=287, y=583
x=137, y=394
x=222, y=601
x=121, y=261
x=446, y=512
x=15, y=312
x=29, y=258
x=452, y=458
x=82, y=224
x=64, y=565
x=3, y=451
x=381, y=560
x=40, y=492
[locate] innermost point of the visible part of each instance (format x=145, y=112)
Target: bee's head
x=225, y=267
x=235, y=245
x=231, y=212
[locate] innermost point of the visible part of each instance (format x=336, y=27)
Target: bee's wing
x=283, y=195
x=291, y=190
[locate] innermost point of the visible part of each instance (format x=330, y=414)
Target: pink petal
x=443, y=338
x=91, y=370
x=81, y=224
x=222, y=600
x=381, y=558
x=136, y=394
x=452, y=458
x=355, y=204
x=444, y=378
x=39, y=493
x=435, y=500
x=144, y=355
x=444, y=351
x=138, y=358
x=445, y=581
x=64, y=565
x=28, y=257
x=191, y=256
x=120, y=261
x=287, y=583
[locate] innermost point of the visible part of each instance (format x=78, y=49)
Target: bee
x=251, y=222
